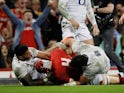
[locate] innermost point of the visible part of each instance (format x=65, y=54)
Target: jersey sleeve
x=62, y=8
x=90, y=13
x=34, y=51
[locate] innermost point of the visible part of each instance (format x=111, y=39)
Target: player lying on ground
x=25, y=62
x=60, y=59
x=32, y=66
x=93, y=63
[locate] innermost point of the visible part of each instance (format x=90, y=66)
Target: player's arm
x=91, y=17
x=121, y=20
x=42, y=17
x=83, y=80
x=108, y=9
x=9, y=26
x=39, y=54
x=6, y=9
x=43, y=55
x=62, y=9
x=62, y=4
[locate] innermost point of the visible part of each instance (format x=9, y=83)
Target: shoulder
x=33, y=51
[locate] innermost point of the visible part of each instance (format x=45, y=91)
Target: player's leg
x=83, y=34
x=67, y=29
x=104, y=79
x=90, y=41
x=100, y=79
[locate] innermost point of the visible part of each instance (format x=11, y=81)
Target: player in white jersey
x=23, y=65
x=78, y=10
x=93, y=62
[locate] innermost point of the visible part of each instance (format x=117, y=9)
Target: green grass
x=63, y=89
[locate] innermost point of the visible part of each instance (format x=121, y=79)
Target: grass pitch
x=63, y=89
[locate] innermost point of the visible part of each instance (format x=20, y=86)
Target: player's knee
x=100, y=79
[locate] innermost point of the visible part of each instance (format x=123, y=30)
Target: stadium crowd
x=38, y=24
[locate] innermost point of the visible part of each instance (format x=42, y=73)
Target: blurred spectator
x=20, y=7
x=118, y=8
x=0, y=40
x=36, y=9
x=122, y=44
x=28, y=3
x=28, y=31
x=51, y=29
x=121, y=20
x=5, y=34
x=117, y=43
x=43, y=4
x=105, y=20
x=5, y=60
x=10, y=3
x=5, y=23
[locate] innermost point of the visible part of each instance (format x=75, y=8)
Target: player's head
x=2, y=2
x=27, y=16
x=22, y=52
x=79, y=61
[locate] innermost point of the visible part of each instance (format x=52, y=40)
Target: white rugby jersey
x=21, y=68
x=78, y=9
x=98, y=62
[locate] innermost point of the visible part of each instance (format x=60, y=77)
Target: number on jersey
x=81, y=2
x=65, y=61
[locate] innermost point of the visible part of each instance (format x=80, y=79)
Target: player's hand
x=65, y=41
x=74, y=23
x=121, y=20
x=68, y=41
x=2, y=2
x=53, y=4
x=95, y=30
x=39, y=66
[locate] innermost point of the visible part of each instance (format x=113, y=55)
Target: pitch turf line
x=63, y=89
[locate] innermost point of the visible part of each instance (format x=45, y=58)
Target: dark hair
x=79, y=61
x=20, y=49
x=28, y=10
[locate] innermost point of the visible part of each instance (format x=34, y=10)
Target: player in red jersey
x=60, y=63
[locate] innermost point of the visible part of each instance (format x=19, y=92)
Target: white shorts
x=81, y=34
